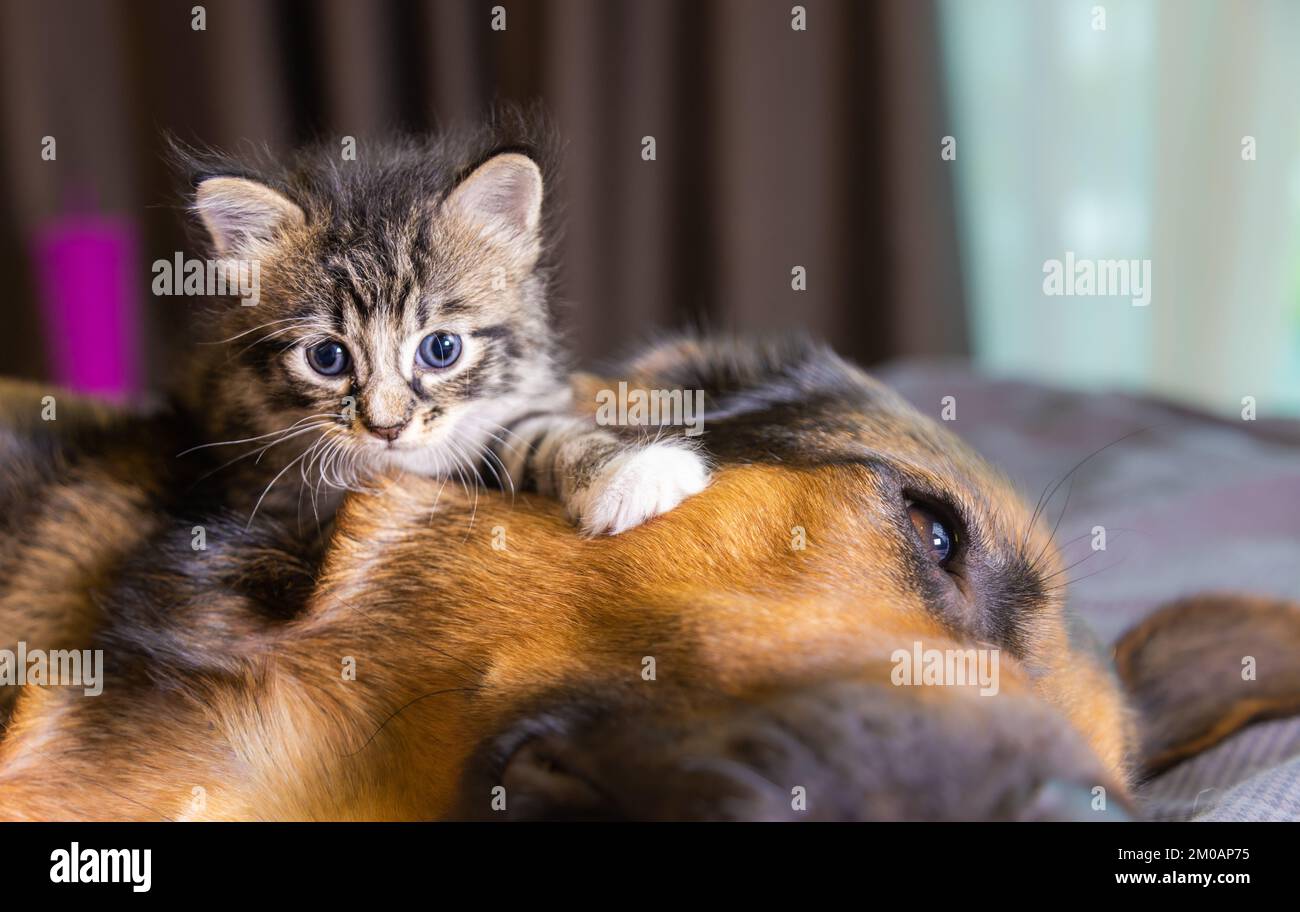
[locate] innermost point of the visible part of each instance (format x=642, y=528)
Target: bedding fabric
x=1190, y=503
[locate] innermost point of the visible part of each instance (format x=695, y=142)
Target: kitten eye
x=937, y=535
x=329, y=358
x=438, y=350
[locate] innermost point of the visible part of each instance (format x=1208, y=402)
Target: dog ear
x=1204, y=667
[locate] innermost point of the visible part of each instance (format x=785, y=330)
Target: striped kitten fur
x=402, y=323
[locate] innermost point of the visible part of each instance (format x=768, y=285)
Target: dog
x=464, y=654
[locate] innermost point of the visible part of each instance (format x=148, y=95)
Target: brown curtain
x=776, y=148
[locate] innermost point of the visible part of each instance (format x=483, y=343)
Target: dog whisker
x=1065, y=585
x=1051, y=538
x=1042, y=503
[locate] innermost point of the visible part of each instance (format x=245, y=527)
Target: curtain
x=776, y=148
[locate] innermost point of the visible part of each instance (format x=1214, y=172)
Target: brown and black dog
x=452, y=654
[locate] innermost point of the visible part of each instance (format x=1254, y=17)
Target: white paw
x=638, y=485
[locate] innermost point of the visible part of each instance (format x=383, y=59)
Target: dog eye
x=329, y=358
x=937, y=535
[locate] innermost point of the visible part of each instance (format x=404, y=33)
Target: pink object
x=86, y=271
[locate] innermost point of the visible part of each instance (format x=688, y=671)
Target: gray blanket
x=1190, y=503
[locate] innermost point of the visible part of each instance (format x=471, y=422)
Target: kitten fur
x=447, y=233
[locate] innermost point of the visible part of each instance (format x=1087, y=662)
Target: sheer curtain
x=1159, y=131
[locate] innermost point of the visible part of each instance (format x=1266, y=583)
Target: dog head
x=857, y=619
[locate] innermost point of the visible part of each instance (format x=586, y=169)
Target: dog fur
x=494, y=647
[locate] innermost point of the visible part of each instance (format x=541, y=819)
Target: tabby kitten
x=402, y=323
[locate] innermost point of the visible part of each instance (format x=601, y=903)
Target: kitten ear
x=242, y=216
x=503, y=197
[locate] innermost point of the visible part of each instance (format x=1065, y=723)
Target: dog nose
x=838, y=752
x=387, y=432
x=545, y=786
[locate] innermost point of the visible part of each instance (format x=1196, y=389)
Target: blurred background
x=921, y=161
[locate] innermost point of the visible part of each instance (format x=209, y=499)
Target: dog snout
x=836, y=752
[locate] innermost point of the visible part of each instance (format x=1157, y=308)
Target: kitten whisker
x=271, y=335
x=322, y=444
x=491, y=453
x=267, y=489
x=280, y=474
x=298, y=320
x=339, y=471
x=326, y=467
x=443, y=476
x=337, y=467
x=472, y=463
x=510, y=433
x=304, y=469
x=260, y=450
x=488, y=458
x=354, y=457
x=320, y=460
x=464, y=483
x=204, y=446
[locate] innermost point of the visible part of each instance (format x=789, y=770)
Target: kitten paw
x=638, y=485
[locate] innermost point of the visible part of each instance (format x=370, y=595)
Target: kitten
x=402, y=323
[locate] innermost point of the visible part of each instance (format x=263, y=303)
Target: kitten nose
x=388, y=432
